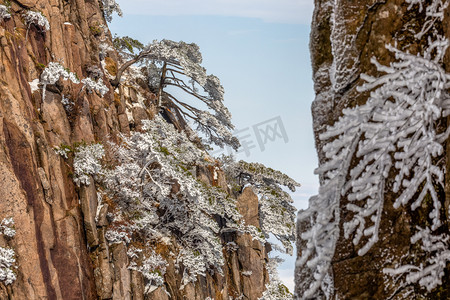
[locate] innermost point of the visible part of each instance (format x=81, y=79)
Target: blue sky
x=259, y=50
x=281, y=11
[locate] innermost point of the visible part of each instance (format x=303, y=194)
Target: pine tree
x=178, y=64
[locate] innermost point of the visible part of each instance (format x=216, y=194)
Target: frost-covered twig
x=434, y=11
x=323, y=212
x=437, y=249
x=62, y=151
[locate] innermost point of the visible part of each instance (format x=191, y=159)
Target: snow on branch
x=396, y=133
x=52, y=73
x=7, y=227
x=7, y=261
x=55, y=71
x=401, y=117
x=258, y=173
x=324, y=209
x=109, y=7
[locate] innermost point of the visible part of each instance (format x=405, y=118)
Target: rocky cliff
x=340, y=255
x=59, y=242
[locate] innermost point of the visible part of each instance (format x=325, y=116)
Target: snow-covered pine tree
x=178, y=64
x=395, y=131
x=276, y=212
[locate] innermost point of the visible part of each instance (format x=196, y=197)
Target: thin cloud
x=274, y=11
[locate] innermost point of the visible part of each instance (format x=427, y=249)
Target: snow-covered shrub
x=231, y=246
x=7, y=255
x=4, y=12
x=52, y=73
x=276, y=212
x=7, y=227
x=152, y=267
x=7, y=261
x=87, y=163
x=38, y=19
x=104, y=48
x=119, y=233
x=193, y=264
x=90, y=85
x=55, y=71
x=109, y=7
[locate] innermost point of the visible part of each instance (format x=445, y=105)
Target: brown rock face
x=345, y=36
x=61, y=252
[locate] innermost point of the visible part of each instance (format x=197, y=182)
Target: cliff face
x=59, y=245
x=345, y=36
